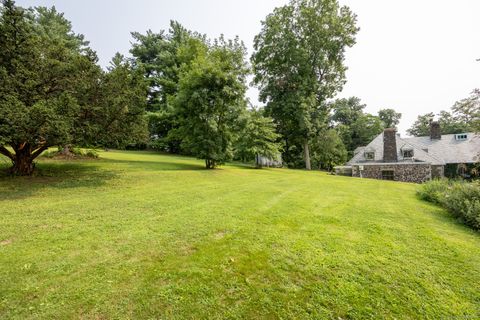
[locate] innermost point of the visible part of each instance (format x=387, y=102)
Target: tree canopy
x=52, y=92
x=210, y=99
x=464, y=117
x=299, y=63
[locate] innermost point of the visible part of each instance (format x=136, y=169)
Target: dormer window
x=369, y=155
x=461, y=136
x=407, y=153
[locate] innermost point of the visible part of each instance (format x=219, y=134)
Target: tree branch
x=6, y=153
x=37, y=152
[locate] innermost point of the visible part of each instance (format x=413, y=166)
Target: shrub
x=74, y=153
x=460, y=198
x=433, y=191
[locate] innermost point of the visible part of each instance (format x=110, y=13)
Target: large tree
x=162, y=56
x=299, y=64
x=355, y=127
x=468, y=110
x=53, y=93
x=210, y=99
x=329, y=150
x=120, y=111
x=38, y=80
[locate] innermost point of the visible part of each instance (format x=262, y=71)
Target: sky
x=415, y=56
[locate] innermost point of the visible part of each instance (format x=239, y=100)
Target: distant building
x=416, y=159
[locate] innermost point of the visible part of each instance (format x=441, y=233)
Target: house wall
x=438, y=171
x=417, y=173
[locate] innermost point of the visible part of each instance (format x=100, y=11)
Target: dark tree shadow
x=62, y=175
x=157, y=165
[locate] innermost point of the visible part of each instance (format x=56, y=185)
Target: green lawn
x=146, y=236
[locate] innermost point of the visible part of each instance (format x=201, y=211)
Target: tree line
x=181, y=92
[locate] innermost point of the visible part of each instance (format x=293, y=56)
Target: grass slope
x=142, y=235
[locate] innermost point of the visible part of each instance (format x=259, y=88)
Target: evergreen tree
x=37, y=90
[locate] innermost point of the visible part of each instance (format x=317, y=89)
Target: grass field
x=146, y=236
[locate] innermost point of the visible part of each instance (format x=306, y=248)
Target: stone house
x=414, y=159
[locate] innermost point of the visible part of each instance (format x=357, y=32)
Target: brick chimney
x=435, y=132
x=390, y=145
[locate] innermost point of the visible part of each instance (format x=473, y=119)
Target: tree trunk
x=209, y=163
x=67, y=151
x=23, y=157
x=258, y=165
x=22, y=162
x=306, y=152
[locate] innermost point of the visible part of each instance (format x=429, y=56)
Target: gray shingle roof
x=436, y=152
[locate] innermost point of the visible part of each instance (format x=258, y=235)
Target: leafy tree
x=162, y=56
x=389, y=117
x=364, y=130
x=468, y=110
x=258, y=138
x=347, y=110
x=355, y=127
x=450, y=123
x=59, y=42
x=37, y=89
x=298, y=65
x=120, y=114
x=329, y=150
x=421, y=126
x=210, y=99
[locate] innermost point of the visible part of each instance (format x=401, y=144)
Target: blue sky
x=413, y=56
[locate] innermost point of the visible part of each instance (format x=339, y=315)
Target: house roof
x=450, y=149
x=436, y=152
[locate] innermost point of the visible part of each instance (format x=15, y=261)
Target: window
x=387, y=174
x=461, y=136
x=370, y=155
x=408, y=154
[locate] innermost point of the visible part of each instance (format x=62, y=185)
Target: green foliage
x=460, y=198
x=163, y=56
x=257, y=138
x=355, y=127
x=464, y=117
x=328, y=150
x=74, y=153
x=433, y=190
x=38, y=77
x=389, y=117
x=468, y=111
x=54, y=93
x=209, y=101
x=298, y=65
x=120, y=114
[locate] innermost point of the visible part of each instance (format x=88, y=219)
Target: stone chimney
x=435, y=132
x=390, y=145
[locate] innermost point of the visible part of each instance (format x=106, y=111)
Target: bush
x=433, y=191
x=74, y=153
x=460, y=198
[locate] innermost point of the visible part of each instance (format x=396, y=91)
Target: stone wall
x=417, y=173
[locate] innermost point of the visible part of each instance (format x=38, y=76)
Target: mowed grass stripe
x=144, y=235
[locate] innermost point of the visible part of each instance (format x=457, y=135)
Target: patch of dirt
x=219, y=235
x=6, y=242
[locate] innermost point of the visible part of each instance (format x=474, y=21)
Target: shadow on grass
x=61, y=175
x=157, y=165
